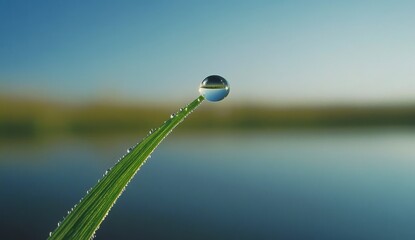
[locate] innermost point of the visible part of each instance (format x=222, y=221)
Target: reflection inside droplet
x=214, y=88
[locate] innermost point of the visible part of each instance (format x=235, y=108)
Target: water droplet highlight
x=129, y=150
x=214, y=88
x=172, y=115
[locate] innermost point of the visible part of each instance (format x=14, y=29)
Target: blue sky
x=270, y=51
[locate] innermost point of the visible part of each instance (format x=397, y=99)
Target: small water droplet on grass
x=214, y=88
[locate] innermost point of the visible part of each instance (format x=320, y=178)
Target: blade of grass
x=85, y=218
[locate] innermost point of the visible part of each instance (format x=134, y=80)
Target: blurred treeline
x=30, y=118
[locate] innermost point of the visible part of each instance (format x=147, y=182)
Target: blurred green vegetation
x=29, y=118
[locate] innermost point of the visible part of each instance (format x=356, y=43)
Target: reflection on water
x=287, y=185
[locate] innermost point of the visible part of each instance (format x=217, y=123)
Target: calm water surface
x=290, y=185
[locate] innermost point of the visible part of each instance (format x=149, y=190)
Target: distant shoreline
x=25, y=118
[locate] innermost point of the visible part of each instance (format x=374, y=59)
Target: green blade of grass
x=85, y=218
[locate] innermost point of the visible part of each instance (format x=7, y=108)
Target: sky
x=276, y=52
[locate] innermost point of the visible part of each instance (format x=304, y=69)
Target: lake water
x=281, y=185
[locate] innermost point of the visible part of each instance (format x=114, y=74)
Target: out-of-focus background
x=316, y=139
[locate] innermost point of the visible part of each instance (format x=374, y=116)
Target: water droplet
x=185, y=108
x=129, y=150
x=214, y=88
x=172, y=115
x=50, y=234
x=181, y=109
